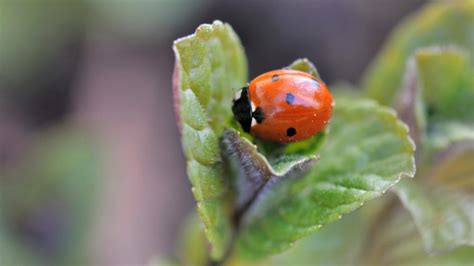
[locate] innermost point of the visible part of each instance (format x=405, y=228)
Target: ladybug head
x=242, y=109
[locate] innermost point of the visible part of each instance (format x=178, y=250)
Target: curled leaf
x=409, y=104
x=256, y=176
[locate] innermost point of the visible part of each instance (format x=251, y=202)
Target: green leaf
x=442, y=135
x=367, y=151
x=447, y=84
x=339, y=243
x=437, y=107
x=191, y=248
x=278, y=198
x=436, y=102
x=60, y=23
x=442, y=205
x=303, y=64
x=461, y=256
x=410, y=105
x=439, y=23
x=343, y=89
x=254, y=174
x=453, y=168
x=210, y=66
x=381, y=233
x=163, y=261
x=395, y=240
x=444, y=217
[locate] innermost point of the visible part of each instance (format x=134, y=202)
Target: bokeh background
x=91, y=169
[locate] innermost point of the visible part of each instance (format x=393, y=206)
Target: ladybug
x=283, y=106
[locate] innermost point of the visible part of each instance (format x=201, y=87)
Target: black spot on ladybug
x=258, y=115
x=291, y=132
x=290, y=98
x=275, y=78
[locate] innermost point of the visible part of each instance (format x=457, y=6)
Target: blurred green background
x=91, y=169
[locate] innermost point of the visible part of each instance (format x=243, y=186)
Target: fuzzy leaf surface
x=367, y=150
x=210, y=65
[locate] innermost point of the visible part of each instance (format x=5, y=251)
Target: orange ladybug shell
x=288, y=105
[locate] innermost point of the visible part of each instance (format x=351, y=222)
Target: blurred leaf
x=442, y=204
x=444, y=217
x=447, y=84
x=143, y=19
x=161, y=261
x=436, y=102
x=342, y=89
x=366, y=152
x=339, y=243
x=410, y=105
x=381, y=233
x=394, y=240
x=303, y=64
x=12, y=251
x=437, y=107
x=54, y=188
x=454, y=169
x=34, y=37
x=439, y=23
x=461, y=256
x=442, y=135
x=210, y=65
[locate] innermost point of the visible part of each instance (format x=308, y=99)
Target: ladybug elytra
x=283, y=106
